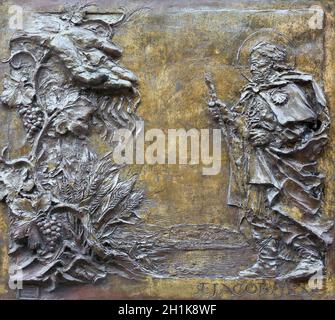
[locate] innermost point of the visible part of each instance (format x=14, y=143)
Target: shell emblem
x=279, y=97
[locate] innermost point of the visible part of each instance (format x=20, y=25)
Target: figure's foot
x=305, y=268
x=258, y=270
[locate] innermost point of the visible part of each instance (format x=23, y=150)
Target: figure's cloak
x=289, y=173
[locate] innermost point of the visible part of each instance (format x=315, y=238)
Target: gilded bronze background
x=170, y=47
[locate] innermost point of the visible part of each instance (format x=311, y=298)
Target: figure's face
x=260, y=66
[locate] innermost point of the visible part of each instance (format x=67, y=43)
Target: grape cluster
x=51, y=231
x=32, y=119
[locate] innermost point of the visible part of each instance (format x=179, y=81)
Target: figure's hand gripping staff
x=220, y=113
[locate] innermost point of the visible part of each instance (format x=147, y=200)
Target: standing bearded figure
x=276, y=133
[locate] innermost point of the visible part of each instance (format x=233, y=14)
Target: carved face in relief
x=260, y=66
x=265, y=60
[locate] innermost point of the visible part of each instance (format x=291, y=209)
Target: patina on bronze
x=79, y=226
x=64, y=200
x=276, y=132
x=74, y=215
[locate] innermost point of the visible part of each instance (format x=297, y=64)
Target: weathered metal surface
x=185, y=241
x=275, y=134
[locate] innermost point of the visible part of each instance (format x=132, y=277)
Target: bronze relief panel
x=167, y=151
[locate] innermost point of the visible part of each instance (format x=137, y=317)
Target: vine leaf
x=30, y=208
x=13, y=181
x=75, y=118
x=17, y=92
x=25, y=213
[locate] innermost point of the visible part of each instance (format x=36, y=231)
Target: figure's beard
x=261, y=76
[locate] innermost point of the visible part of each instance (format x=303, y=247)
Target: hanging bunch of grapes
x=51, y=231
x=32, y=118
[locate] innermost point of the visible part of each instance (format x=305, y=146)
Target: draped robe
x=292, y=115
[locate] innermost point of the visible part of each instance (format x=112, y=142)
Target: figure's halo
x=267, y=35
